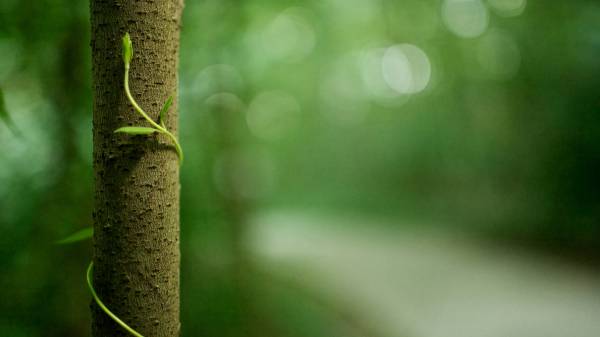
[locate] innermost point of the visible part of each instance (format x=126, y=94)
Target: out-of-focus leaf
x=136, y=130
x=5, y=116
x=83, y=234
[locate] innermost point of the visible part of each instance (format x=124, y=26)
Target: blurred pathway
x=423, y=283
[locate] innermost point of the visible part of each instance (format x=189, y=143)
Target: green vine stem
x=159, y=127
x=156, y=127
x=103, y=307
x=135, y=130
x=85, y=234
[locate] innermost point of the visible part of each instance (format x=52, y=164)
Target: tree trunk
x=136, y=213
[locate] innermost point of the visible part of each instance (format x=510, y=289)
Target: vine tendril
x=103, y=307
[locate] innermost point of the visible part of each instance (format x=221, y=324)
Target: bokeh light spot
x=406, y=69
x=465, y=18
x=508, y=8
x=290, y=36
x=375, y=82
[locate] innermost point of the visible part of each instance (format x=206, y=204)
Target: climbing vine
x=159, y=127
x=155, y=127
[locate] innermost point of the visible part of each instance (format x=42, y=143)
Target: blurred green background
x=354, y=168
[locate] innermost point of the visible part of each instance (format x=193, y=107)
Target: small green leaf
x=4, y=116
x=127, y=49
x=136, y=130
x=165, y=109
x=83, y=234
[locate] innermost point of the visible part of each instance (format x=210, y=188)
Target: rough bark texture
x=136, y=216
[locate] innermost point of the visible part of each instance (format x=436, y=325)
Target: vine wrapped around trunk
x=136, y=213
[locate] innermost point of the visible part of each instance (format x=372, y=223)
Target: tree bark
x=136, y=211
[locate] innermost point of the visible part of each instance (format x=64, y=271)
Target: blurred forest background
x=354, y=167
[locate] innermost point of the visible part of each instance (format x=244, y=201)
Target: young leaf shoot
x=159, y=128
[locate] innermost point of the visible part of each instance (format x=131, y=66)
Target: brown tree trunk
x=136, y=213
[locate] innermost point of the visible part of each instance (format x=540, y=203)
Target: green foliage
x=160, y=128
x=81, y=235
x=164, y=110
x=517, y=155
